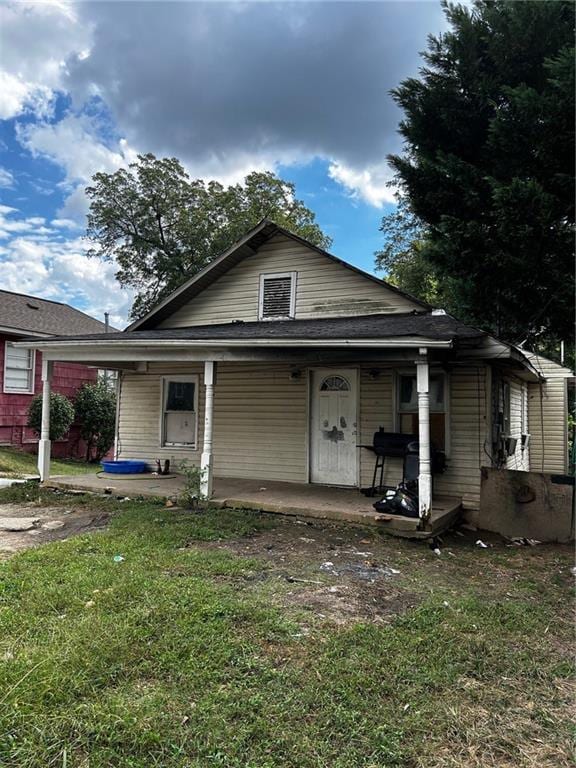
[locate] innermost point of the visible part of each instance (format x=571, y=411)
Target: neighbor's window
x=179, y=411
x=18, y=369
x=277, y=296
x=408, y=407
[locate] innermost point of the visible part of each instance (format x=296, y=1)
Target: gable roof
x=246, y=246
x=32, y=316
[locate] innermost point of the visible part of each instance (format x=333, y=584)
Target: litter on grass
x=523, y=542
x=119, y=559
x=368, y=570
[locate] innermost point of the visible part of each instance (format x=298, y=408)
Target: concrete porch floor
x=316, y=501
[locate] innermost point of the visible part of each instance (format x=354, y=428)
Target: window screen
x=277, y=296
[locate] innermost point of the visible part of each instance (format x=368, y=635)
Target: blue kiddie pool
x=124, y=467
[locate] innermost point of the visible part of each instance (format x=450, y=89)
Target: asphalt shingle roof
x=33, y=315
x=424, y=325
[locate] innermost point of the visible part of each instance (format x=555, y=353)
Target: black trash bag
x=401, y=501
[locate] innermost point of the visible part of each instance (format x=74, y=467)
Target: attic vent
x=32, y=306
x=277, y=296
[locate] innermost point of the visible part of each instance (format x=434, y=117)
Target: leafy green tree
x=61, y=415
x=95, y=408
x=488, y=165
x=162, y=227
x=402, y=255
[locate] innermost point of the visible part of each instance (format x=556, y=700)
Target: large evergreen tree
x=161, y=227
x=488, y=165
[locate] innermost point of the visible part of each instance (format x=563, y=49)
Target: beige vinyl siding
x=548, y=417
x=260, y=419
x=519, y=460
x=547, y=420
x=324, y=288
x=376, y=410
x=140, y=410
x=468, y=430
x=261, y=423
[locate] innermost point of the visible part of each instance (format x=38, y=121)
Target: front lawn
x=188, y=640
x=14, y=463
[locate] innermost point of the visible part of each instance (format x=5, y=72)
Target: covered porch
x=295, y=499
x=292, y=407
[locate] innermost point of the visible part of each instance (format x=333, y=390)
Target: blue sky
x=298, y=88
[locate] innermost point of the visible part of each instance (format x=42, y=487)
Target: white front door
x=333, y=453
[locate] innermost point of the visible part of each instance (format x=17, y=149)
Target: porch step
x=445, y=512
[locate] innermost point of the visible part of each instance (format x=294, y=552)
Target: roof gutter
x=118, y=343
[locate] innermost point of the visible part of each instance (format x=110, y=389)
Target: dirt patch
x=40, y=525
x=329, y=572
x=344, y=574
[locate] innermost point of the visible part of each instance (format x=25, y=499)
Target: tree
x=61, y=415
x=488, y=164
x=402, y=259
x=161, y=227
x=95, y=408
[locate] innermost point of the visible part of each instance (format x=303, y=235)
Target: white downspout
x=206, y=461
x=425, y=471
x=44, y=442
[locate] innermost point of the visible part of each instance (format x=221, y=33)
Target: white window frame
x=190, y=379
x=32, y=369
x=271, y=275
x=447, y=398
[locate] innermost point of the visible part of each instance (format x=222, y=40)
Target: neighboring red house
x=23, y=318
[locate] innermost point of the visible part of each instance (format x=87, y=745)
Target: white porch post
x=425, y=471
x=44, y=442
x=206, y=483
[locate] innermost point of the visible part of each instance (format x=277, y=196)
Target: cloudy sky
x=299, y=88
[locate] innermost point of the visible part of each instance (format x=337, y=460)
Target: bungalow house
x=279, y=362
x=24, y=317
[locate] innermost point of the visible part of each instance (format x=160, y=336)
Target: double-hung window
x=179, y=426
x=277, y=300
x=407, y=416
x=18, y=369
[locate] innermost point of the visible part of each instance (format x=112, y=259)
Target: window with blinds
x=277, y=296
x=18, y=369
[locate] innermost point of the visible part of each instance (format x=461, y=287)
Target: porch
x=295, y=499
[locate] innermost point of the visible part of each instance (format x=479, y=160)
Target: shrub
x=191, y=492
x=61, y=415
x=95, y=406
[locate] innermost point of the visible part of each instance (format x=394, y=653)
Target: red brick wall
x=67, y=378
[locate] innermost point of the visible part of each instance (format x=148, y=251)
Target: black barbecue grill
x=386, y=445
x=394, y=445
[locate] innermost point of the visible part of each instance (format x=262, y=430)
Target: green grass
x=177, y=657
x=14, y=463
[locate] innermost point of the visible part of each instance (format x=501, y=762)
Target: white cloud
x=16, y=95
x=372, y=184
x=36, y=40
x=65, y=224
x=36, y=259
x=74, y=145
x=6, y=178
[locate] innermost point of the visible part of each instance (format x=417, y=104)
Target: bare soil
x=342, y=574
x=75, y=520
